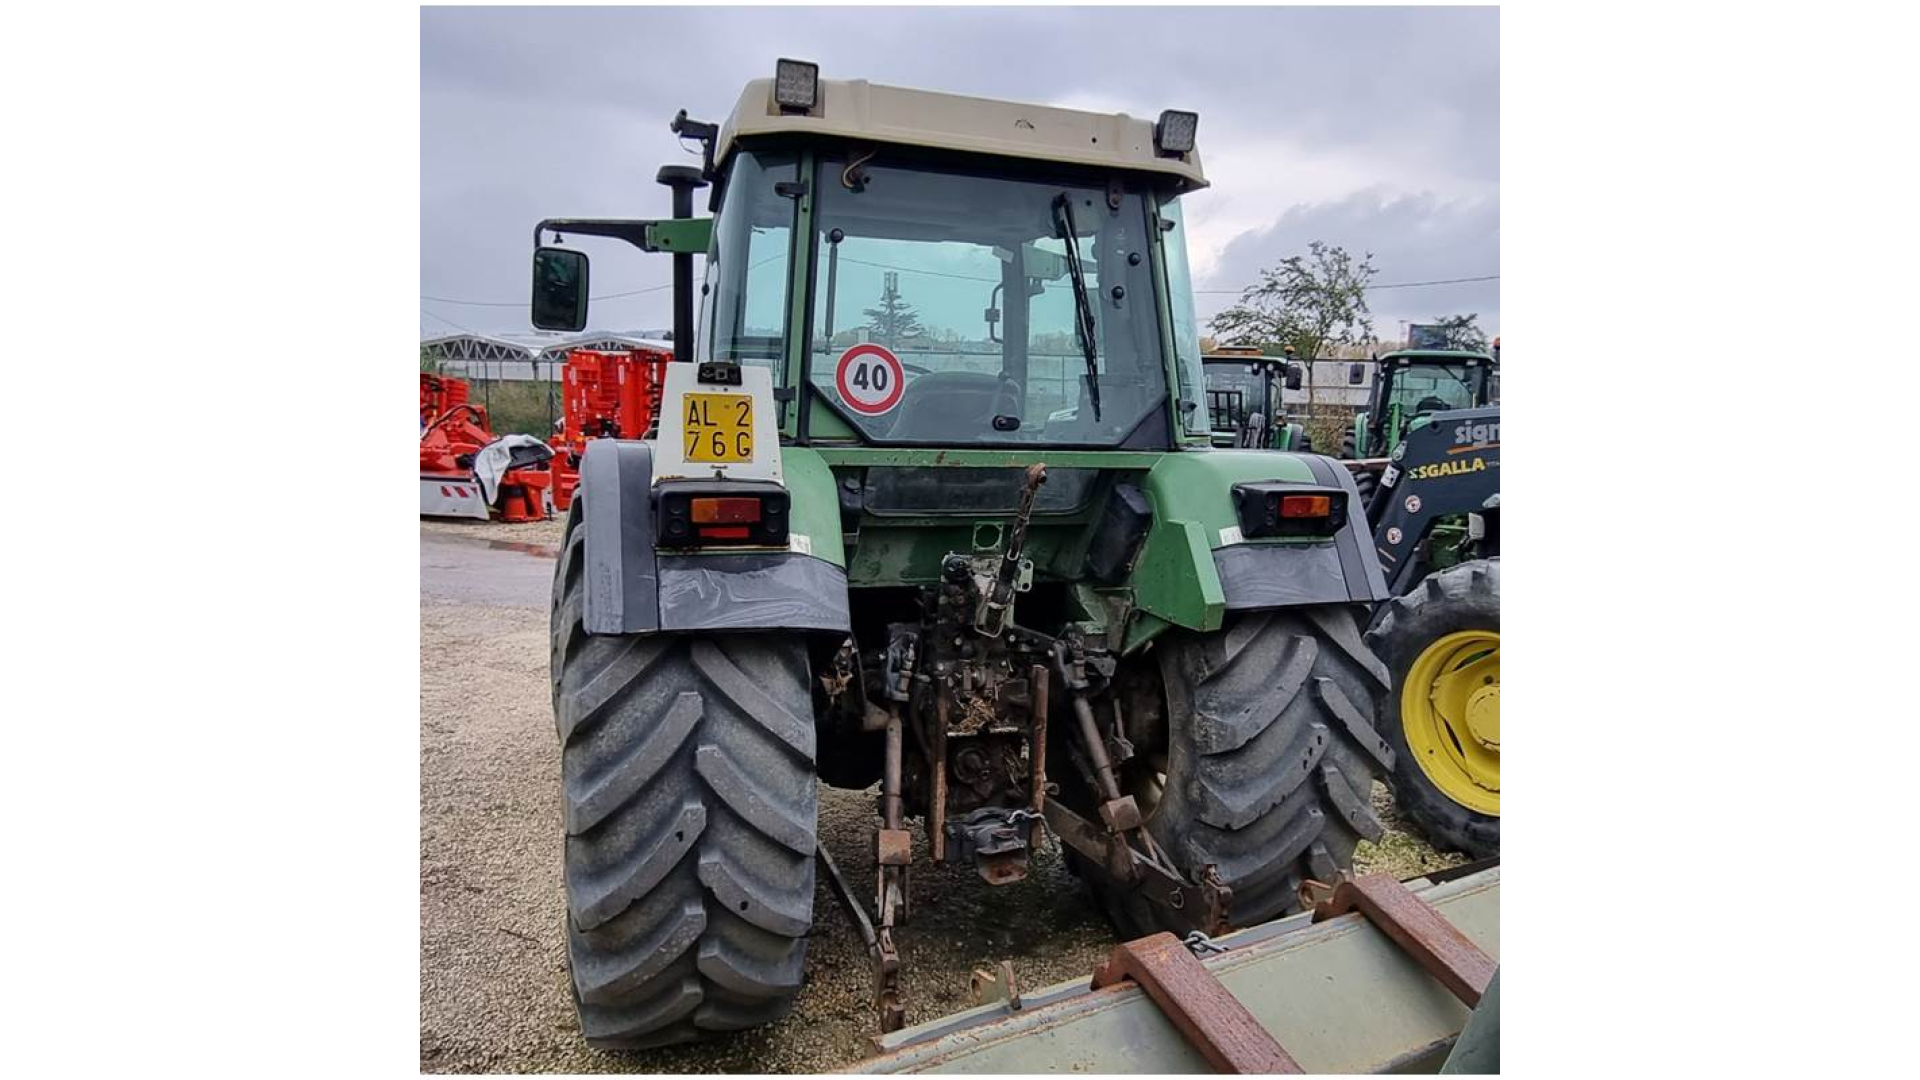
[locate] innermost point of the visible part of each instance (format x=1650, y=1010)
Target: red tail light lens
x=1305, y=506
x=725, y=511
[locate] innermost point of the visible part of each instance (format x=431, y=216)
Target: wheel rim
x=1450, y=711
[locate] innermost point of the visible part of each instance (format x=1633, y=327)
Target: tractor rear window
x=946, y=312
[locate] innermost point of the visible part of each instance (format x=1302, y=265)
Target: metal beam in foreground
x=1339, y=995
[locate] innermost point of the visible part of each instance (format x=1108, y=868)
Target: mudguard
x=630, y=588
x=1446, y=466
x=1195, y=566
x=1255, y=575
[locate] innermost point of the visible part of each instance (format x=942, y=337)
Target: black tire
x=1348, y=449
x=1302, y=440
x=687, y=782
x=1272, y=754
x=1365, y=484
x=1464, y=597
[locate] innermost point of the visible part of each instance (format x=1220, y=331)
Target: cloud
x=1421, y=237
x=527, y=113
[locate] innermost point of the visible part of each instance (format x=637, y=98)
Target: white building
x=528, y=356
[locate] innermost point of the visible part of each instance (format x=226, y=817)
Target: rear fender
x=1195, y=566
x=633, y=588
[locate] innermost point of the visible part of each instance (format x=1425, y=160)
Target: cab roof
x=1439, y=356
x=867, y=112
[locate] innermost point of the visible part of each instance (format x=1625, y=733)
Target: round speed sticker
x=870, y=379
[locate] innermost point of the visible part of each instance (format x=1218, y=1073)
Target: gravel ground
x=531, y=532
x=493, y=978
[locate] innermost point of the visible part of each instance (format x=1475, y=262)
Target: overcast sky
x=1374, y=129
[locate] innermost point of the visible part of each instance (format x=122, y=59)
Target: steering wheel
x=915, y=368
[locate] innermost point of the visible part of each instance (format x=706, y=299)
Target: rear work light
x=1174, y=133
x=1275, y=508
x=740, y=513
x=796, y=85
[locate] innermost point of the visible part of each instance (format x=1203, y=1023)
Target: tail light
x=739, y=513
x=1306, y=506
x=1275, y=508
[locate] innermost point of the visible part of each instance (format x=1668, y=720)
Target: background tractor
x=994, y=565
x=1244, y=405
x=1413, y=382
x=1437, y=531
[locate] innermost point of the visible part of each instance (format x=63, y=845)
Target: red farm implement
x=606, y=395
x=453, y=432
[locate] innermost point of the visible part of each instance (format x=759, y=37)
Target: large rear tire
x=1441, y=643
x=1271, y=757
x=687, y=776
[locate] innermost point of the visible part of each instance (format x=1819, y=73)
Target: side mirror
x=559, y=289
x=1356, y=374
x=1293, y=377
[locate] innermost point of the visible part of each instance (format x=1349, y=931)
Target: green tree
x=1311, y=302
x=893, y=320
x=1462, y=331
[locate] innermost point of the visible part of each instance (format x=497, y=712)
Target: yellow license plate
x=718, y=427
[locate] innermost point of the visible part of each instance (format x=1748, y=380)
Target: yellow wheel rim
x=1450, y=710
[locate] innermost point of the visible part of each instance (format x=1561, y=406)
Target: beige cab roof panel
x=857, y=109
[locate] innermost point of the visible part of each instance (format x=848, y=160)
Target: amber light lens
x=729, y=512
x=1305, y=506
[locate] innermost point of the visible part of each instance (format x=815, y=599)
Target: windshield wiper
x=1066, y=228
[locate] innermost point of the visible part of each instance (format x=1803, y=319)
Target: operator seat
x=943, y=405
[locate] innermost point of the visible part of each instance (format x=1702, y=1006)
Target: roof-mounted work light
x=796, y=85
x=1175, y=131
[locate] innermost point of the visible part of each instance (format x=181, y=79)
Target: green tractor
x=1244, y=406
x=1408, y=384
x=934, y=505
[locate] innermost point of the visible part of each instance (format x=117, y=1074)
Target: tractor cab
x=1002, y=277
x=1413, y=383
x=1245, y=399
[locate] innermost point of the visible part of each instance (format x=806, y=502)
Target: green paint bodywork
x=1174, y=579
x=1173, y=583
x=693, y=235
x=1195, y=435
x=800, y=298
x=814, y=507
x=996, y=458
x=1360, y=434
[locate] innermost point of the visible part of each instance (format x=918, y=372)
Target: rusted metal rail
x=1433, y=942
x=1316, y=988
x=1203, y=1011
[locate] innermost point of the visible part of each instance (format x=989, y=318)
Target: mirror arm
x=633, y=232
